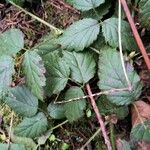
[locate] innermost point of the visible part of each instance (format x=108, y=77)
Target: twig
x=120, y=48
x=136, y=34
x=56, y=30
x=112, y=91
x=59, y=125
x=99, y=117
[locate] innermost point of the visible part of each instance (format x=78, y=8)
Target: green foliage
x=110, y=32
x=74, y=109
x=125, y=145
x=34, y=71
x=145, y=13
x=32, y=127
x=82, y=66
x=80, y=35
x=12, y=147
x=56, y=111
x=85, y=5
x=57, y=73
x=108, y=108
x=112, y=77
x=18, y=2
x=21, y=100
x=6, y=72
x=11, y=42
x=141, y=131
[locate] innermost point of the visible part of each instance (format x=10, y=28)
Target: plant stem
x=56, y=30
x=120, y=48
x=112, y=136
x=99, y=117
x=135, y=33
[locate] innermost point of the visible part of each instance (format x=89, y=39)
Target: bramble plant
x=64, y=66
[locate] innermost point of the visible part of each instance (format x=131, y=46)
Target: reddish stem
x=136, y=34
x=99, y=117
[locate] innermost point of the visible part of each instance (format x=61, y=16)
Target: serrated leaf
x=56, y=111
x=80, y=35
x=82, y=65
x=47, y=45
x=85, y=5
x=108, y=108
x=21, y=100
x=11, y=42
x=144, y=15
x=112, y=77
x=57, y=73
x=141, y=131
x=102, y=10
x=32, y=127
x=6, y=72
x=34, y=72
x=12, y=147
x=74, y=110
x=110, y=32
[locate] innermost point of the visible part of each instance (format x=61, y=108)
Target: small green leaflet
x=75, y=109
x=125, y=145
x=112, y=77
x=57, y=73
x=6, y=72
x=144, y=15
x=18, y=2
x=11, y=42
x=12, y=147
x=85, y=5
x=102, y=10
x=80, y=35
x=56, y=111
x=108, y=108
x=34, y=72
x=141, y=132
x=82, y=65
x=110, y=32
x=32, y=127
x=21, y=100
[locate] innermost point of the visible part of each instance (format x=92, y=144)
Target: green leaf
x=85, y=5
x=111, y=76
x=141, y=132
x=82, y=65
x=125, y=145
x=75, y=109
x=11, y=42
x=57, y=73
x=56, y=111
x=18, y=2
x=47, y=44
x=21, y=100
x=34, y=72
x=12, y=147
x=80, y=35
x=108, y=108
x=32, y=127
x=144, y=15
x=102, y=10
x=6, y=72
x=110, y=32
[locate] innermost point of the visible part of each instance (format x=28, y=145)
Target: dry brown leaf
x=140, y=112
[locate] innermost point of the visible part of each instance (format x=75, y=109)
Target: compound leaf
x=6, y=72
x=80, y=35
x=85, y=5
x=112, y=77
x=32, y=127
x=12, y=147
x=74, y=109
x=21, y=100
x=34, y=72
x=110, y=32
x=141, y=132
x=57, y=73
x=82, y=65
x=11, y=42
x=144, y=15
